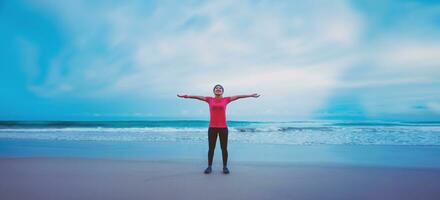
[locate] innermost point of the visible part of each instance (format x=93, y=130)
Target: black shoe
x=225, y=170
x=208, y=170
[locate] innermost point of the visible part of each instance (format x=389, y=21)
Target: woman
x=217, y=122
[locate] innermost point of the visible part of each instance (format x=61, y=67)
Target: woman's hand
x=183, y=96
x=255, y=95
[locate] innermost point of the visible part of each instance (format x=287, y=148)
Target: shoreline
x=357, y=155
x=113, y=178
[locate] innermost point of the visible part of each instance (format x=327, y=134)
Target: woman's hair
x=223, y=89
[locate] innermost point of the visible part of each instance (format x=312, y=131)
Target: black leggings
x=212, y=139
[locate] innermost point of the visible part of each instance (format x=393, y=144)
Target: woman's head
x=218, y=89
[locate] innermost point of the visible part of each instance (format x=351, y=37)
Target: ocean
x=405, y=144
x=292, y=133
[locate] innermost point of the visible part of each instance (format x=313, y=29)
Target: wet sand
x=93, y=178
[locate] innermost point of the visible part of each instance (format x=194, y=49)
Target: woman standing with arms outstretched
x=217, y=123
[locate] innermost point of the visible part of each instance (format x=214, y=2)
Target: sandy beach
x=95, y=178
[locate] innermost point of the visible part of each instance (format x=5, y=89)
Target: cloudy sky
x=100, y=60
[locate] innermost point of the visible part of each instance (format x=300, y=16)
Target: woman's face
x=218, y=90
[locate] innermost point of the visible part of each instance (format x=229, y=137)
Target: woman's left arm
x=233, y=98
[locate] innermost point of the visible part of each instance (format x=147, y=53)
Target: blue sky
x=105, y=60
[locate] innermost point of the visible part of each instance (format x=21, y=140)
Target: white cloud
x=296, y=54
x=288, y=51
x=410, y=54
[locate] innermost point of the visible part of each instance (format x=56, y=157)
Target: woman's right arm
x=201, y=98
